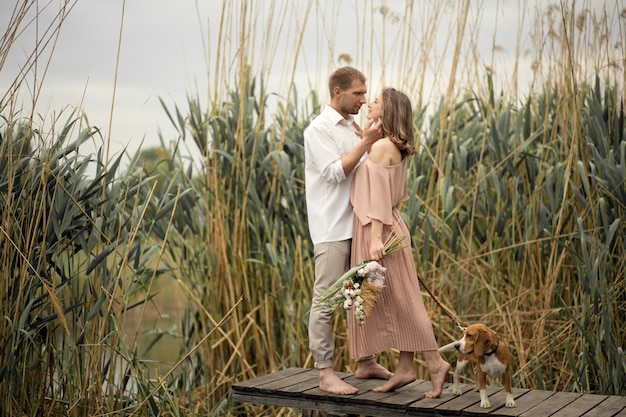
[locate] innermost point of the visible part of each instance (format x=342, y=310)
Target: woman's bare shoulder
x=383, y=151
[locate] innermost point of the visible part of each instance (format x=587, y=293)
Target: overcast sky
x=168, y=50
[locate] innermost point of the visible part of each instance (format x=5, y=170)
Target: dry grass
x=516, y=210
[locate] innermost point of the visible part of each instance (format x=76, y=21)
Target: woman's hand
x=377, y=250
x=377, y=247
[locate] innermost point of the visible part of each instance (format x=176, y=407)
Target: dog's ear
x=482, y=343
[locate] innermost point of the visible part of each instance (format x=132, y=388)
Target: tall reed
x=486, y=252
x=508, y=243
x=494, y=205
x=516, y=214
x=81, y=241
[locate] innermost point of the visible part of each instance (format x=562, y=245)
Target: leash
x=457, y=323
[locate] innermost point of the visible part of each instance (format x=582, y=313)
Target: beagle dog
x=481, y=344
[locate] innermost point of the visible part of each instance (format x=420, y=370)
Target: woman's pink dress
x=399, y=319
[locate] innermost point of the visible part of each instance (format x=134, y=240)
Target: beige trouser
x=332, y=260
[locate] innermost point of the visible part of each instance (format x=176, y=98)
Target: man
x=333, y=147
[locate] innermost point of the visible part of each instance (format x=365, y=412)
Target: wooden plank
x=305, y=384
x=264, y=390
x=347, y=404
x=552, y=405
x=527, y=401
x=360, y=403
x=408, y=394
x=283, y=384
x=274, y=401
x=261, y=380
x=367, y=402
x=299, y=388
x=285, y=392
x=580, y=406
x=621, y=413
x=364, y=384
x=366, y=395
x=427, y=406
x=466, y=400
x=393, y=403
x=609, y=407
x=497, y=401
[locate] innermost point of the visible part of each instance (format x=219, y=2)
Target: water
x=159, y=317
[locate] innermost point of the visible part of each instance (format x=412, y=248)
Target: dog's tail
x=448, y=348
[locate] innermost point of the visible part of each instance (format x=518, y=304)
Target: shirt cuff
x=337, y=171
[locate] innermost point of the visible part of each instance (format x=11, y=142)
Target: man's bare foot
x=330, y=382
x=398, y=379
x=437, y=378
x=371, y=369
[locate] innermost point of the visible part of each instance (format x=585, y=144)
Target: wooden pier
x=298, y=388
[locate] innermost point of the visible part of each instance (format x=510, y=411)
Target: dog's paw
x=484, y=401
x=455, y=389
x=510, y=402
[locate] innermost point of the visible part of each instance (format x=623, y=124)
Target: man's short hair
x=343, y=77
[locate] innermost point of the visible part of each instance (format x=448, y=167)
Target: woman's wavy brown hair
x=398, y=120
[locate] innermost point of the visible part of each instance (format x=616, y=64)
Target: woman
x=399, y=319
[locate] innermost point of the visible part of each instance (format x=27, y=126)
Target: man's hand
x=368, y=136
x=372, y=132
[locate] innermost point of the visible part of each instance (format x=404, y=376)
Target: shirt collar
x=336, y=118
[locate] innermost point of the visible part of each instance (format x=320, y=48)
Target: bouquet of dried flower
x=360, y=287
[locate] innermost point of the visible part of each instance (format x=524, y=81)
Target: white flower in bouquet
x=360, y=287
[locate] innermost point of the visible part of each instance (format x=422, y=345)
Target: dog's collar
x=493, y=350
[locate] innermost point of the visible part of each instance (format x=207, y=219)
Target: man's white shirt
x=326, y=140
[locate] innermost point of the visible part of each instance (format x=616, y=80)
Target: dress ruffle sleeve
x=377, y=190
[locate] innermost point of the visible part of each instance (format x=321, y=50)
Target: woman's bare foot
x=399, y=379
x=371, y=369
x=437, y=378
x=330, y=382
x=405, y=373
